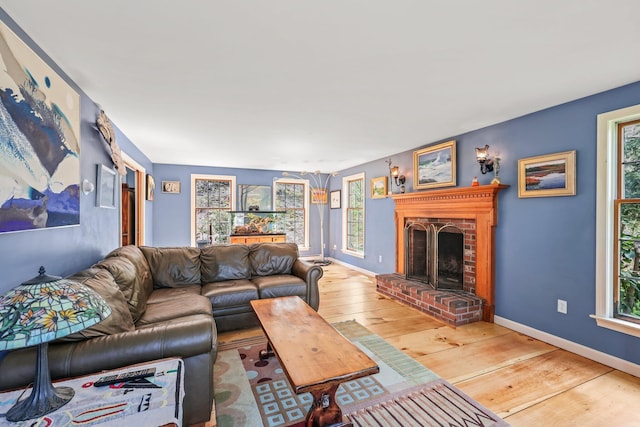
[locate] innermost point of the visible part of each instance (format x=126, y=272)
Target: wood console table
x=247, y=239
x=315, y=357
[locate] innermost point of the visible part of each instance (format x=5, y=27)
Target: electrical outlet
x=379, y=258
x=562, y=306
x=335, y=247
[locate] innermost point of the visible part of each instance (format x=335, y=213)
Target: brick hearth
x=455, y=308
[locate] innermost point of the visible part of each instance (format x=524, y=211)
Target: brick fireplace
x=456, y=294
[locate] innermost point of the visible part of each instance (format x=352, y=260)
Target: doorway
x=132, y=203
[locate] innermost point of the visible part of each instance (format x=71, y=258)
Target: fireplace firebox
x=434, y=254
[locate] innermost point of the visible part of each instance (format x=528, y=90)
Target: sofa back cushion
x=137, y=258
x=224, y=262
x=272, y=258
x=120, y=320
x=125, y=275
x=173, y=267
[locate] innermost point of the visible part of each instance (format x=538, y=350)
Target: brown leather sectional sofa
x=170, y=302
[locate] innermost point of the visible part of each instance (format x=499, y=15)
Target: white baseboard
x=589, y=353
x=353, y=267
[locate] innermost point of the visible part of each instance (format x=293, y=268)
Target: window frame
x=608, y=175
x=306, y=191
x=345, y=204
x=232, y=198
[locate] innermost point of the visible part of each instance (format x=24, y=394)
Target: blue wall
x=545, y=247
x=172, y=212
x=63, y=251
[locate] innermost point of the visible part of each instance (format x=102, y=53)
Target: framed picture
x=379, y=187
x=106, y=187
x=171, y=187
x=435, y=166
x=319, y=196
x=254, y=197
x=151, y=188
x=335, y=199
x=548, y=175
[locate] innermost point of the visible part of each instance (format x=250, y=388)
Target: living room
x=546, y=248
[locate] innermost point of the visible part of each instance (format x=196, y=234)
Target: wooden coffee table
x=315, y=357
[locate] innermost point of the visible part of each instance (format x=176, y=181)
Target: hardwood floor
x=525, y=381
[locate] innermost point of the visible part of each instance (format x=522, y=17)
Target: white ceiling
x=327, y=84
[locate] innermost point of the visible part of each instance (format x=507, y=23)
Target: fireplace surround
x=473, y=211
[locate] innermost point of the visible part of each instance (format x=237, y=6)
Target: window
x=353, y=215
x=212, y=199
x=618, y=221
x=291, y=196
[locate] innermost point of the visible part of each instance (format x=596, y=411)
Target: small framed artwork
x=379, y=187
x=151, y=188
x=548, y=175
x=335, y=199
x=254, y=197
x=435, y=166
x=319, y=196
x=106, y=187
x=171, y=187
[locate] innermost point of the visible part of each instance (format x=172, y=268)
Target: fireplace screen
x=434, y=254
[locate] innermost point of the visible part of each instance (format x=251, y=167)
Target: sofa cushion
x=163, y=294
x=268, y=259
x=224, y=262
x=135, y=255
x=173, y=267
x=174, y=309
x=125, y=276
x=102, y=282
x=230, y=295
x=281, y=285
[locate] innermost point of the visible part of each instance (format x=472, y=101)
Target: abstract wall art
x=39, y=141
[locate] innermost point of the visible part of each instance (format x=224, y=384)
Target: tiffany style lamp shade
x=38, y=311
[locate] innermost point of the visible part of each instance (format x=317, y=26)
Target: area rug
x=251, y=392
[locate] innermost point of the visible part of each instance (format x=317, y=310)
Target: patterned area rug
x=251, y=392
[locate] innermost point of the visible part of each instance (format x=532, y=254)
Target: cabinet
x=257, y=238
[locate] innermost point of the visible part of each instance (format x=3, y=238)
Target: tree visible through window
x=627, y=212
x=213, y=201
x=290, y=197
x=353, y=217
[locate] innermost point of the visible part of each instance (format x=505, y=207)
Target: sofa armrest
x=191, y=336
x=310, y=273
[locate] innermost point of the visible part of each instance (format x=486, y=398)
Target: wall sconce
x=394, y=174
x=482, y=155
x=87, y=187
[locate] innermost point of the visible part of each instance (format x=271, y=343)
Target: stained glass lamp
x=40, y=310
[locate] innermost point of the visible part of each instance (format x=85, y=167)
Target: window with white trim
x=353, y=214
x=212, y=200
x=618, y=221
x=292, y=197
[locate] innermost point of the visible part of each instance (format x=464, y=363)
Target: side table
x=152, y=401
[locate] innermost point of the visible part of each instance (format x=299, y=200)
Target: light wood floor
x=525, y=381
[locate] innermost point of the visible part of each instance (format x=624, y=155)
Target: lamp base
x=44, y=397
x=35, y=407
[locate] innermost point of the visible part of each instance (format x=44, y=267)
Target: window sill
x=618, y=325
x=352, y=253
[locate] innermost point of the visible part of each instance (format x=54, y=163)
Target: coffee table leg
x=324, y=410
x=268, y=353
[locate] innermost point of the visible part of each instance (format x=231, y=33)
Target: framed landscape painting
x=435, y=166
x=548, y=175
x=379, y=187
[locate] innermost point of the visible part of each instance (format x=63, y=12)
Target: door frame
x=140, y=175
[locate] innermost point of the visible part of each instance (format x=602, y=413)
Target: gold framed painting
x=379, y=187
x=319, y=196
x=435, y=166
x=547, y=175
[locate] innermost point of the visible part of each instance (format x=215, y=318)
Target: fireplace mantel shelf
x=480, y=204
